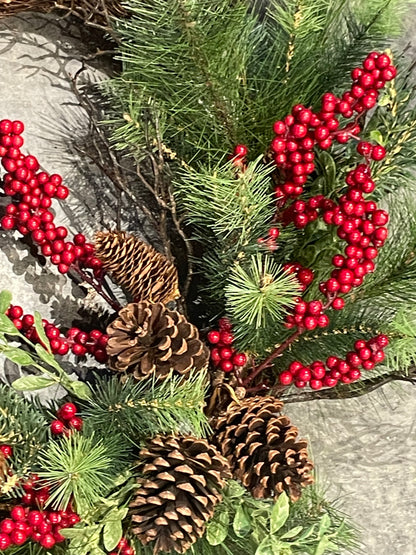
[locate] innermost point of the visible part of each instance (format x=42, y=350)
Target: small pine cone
x=137, y=267
x=149, y=340
x=181, y=479
x=261, y=446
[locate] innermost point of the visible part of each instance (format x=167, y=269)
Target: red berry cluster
x=301, y=131
x=67, y=421
x=29, y=521
x=223, y=355
x=319, y=374
x=93, y=343
x=360, y=223
x=33, y=191
x=80, y=342
x=123, y=548
x=307, y=315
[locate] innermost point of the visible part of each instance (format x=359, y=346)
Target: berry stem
x=273, y=355
x=97, y=286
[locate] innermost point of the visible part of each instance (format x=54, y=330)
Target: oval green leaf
x=79, y=389
x=32, y=383
x=5, y=301
x=280, y=513
x=217, y=528
x=112, y=534
x=6, y=326
x=241, y=522
x=18, y=356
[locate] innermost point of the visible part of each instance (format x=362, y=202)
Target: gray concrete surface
x=364, y=449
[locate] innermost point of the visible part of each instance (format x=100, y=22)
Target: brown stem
x=277, y=352
x=97, y=286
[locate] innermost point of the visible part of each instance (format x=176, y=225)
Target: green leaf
x=292, y=532
x=376, y=136
x=241, y=522
x=324, y=525
x=7, y=326
x=272, y=546
x=280, y=513
x=217, y=528
x=18, y=356
x=47, y=357
x=307, y=533
x=41, y=332
x=5, y=301
x=112, y=533
x=32, y=383
x=322, y=546
x=330, y=168
x=79, y=389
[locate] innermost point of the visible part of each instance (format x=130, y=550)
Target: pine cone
x=137, y=267
x=180, y=486
x=261, y=446
x=148, y=339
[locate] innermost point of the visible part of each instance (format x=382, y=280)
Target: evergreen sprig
x=23, y=426
x=82, y=468
x=258, y=295
x=147, y=408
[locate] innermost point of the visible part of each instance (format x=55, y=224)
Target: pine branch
x=144, y=409
x=23, y=426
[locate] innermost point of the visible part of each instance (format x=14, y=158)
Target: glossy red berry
x=67, y=411
x=286, y=378
x=213, y=336
x=378, y=152
x=57, y=427
x=18, y=513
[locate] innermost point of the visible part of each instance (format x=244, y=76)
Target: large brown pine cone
x=149, y=340
x=137, y=267
x=181, y=479
x=262, y=448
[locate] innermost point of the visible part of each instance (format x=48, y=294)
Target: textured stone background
x=364, y=449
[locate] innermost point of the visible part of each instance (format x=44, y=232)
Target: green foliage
x=40, y=357
x=258, y=296
x=244, y=525
x=102, y=526
x=23, y=426
x=215, y=75
x=143, y=409
x=401, y=352
x=82, y=468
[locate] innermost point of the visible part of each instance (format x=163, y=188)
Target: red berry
x=48, y=541
x=7, y=525
x=300, y=384
x=310, y=322
x=226, y=353
x=5, y=541
x=378, y=153
x=226, y=366
x=18, y=513
x=34, y=518
x=239, y=359
x=295, y=366
x=315, y=384
x=286, y=378
x=8, y=222
x=67, y=411
x=338, y=303
x=328, y=381
x=303, y=374
x=7, y=450
x=213, y=336
x=382, y=341
x=76, y=422
x=226, y=337
x=57, y=427
x=62, y=192
x=279, y=127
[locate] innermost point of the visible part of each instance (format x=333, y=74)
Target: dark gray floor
x=365, y=450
